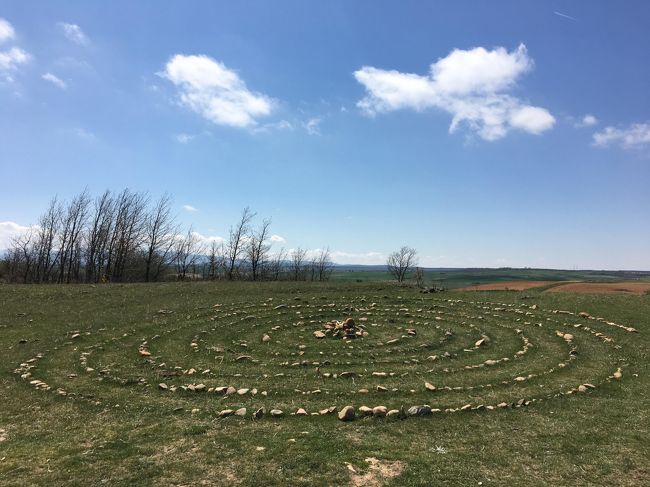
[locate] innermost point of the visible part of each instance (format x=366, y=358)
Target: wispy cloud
x=560, y=14
x=587, y=121
x=277, y=239
x=189, y=208
x=184, y=138
x=7, y=31
x=9, y=231
x=312, y=126
x=634, y=136
x=84, y=134
x=472, y=85
x=74, y=33
x=10, y=60
x=55, y=80
x=209, y=88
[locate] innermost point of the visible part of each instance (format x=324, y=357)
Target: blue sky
x=481, y=133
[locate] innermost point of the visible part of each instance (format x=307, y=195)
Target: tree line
x=128, y=237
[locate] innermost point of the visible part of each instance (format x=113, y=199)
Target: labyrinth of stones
x=374, y=356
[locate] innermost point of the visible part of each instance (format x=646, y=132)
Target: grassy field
x=457, y=278
x=80, y=368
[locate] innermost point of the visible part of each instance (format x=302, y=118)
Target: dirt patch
x=507, y=286
x=378, y=472
x=637, y=288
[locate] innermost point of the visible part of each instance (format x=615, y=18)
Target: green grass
x=115, y=426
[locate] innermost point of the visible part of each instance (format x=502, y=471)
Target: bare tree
x=216, y=260
x=73, y=223
x=187, y=251
x=159, y=237
x=419, y=277
x=97, y=236
x=401, y=261
x=235, y=245
x=257, y=249
x=297, y=263
x=48, y=230
x=277, y=264
x=323, y=265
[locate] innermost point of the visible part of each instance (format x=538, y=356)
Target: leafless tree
x=277, y=264
x=48, y=230
x=236, y=241
x=97, y=236
x=216, y=261
x=159, y=237
x=401, y=261
x=323, y=265
x=419, y=276
x=257, y=249
x=74, y=219
x=297, y=263
x=22, y=256
x=187, y=250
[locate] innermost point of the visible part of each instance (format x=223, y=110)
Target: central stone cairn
x=346, y=330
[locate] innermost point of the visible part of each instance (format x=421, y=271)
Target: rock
x=365, y=411
x=584, y=314
x=266, y=338
x=429, y=386
x=277, y=413
x=568, y=337
x=76, y=335
x=242, y=391
x=230, y=390
x=381, y=389
x=380, y=411
x=200, y=387
x=582, y=388
x=301, y=412
x=319, y=334
x=226, y=412
x=480, y=342
x=502, y=405
x=393, y=412
x=379, y=374
x=419, y=410
x=280, y=306
x=144, y=353
x=243, y=357
x=363, y=391
x=617, y=375
x=347, y=413
x=163, y=386
x=240, y=412
x=259, y=413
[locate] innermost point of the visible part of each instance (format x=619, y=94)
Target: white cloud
x=635, y=136
x=189, y=208
x=9, y=231
x=367, y=258
x=6, y=30
x=209, y=88
x=277, y=239
x=207, y=240
x=74, y=33
x=587, y=121
x=55, y=80
x=471, y=85
x=12, y=58
x=184, y=138
x=312, y=126
x=268, y=127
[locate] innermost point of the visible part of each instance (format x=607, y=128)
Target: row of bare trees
x=126, y=236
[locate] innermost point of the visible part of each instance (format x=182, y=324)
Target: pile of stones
x=346, y=330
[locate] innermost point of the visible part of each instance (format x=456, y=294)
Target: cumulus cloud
x=55, y=80
x=215, y=92
x=277, y=239
x=6, y=30
x=587, y=121
x=472, y=85
x=189, y=208
x=74, y=33
x=9, y=231
x=635, y=136
x=12, y=58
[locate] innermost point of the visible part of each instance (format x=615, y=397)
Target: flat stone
x=301, y=412
x=276, y=413
x=240, y=412
x=429, y=386
x=393, y=413
x=226, y=412
x=242, y=391
x=365, y=411
x=319, y=334
x=230, y=390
